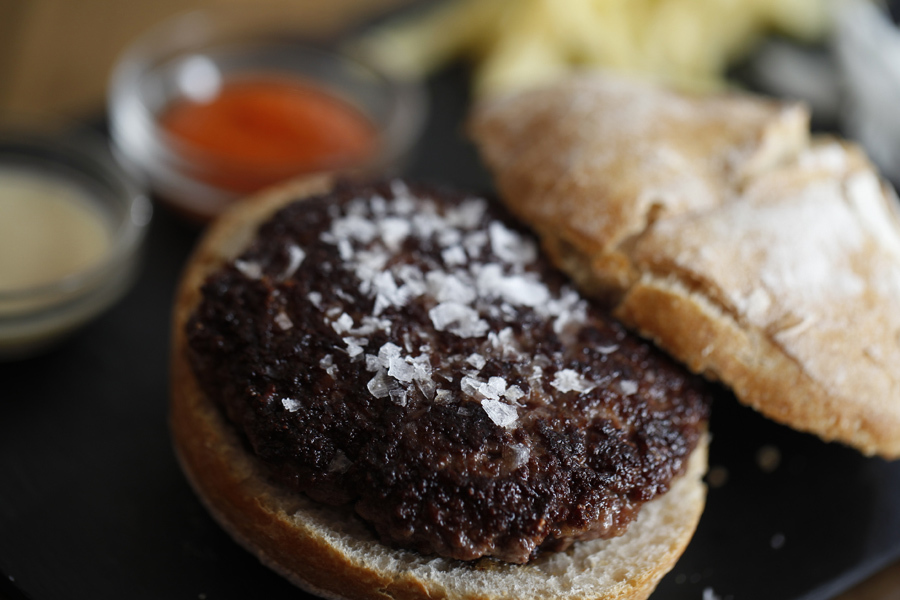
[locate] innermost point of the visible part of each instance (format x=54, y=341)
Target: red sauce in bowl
x=257, y=131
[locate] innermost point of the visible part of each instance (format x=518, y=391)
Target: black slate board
x=92, y=504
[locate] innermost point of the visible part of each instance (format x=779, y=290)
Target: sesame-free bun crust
x=590, y=161
x=716, y=227
x=329, y=552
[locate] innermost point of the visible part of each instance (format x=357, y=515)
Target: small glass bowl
x=33, y=317
x=162, y=66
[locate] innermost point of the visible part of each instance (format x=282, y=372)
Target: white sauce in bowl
x=49, y=228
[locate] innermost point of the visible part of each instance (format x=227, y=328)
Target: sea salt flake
x=403, y=204
x=514, y=393
x=249, y=269
x=379, y=386
x=468, y=214
x=509, y=246
x=486, y=391
x=607, y=349
x=354, y=227
x=520, y=453
x=399, y=188
x=442, y=396
x=387, y=293
x=345, y=250
x=283, y=321
x=368, y=264
x=327, y=363
x=394, y=231
x=355, y=345
x=388, y=352
x=568, y=308
x=504, y=341
x=458, y=319
x=370, y=325
x=373, y=363
x=378, y=205
x=315, y=298
x=446, y=287
x=503, y=415
x=381, y=303
x=476, y=360
x=422, y=366
x=343, y=324
x=492, y=389
x=628, y=387
x=413, y=281
x=497, y=385
x=470, y=385
x=357, y=207
x=401, y=370
x=427, y=387
x=290, y=404
x=454, y=256
x=448, y=236
x=508, y=311
x=475, y=242
x=567, y=301
x=523, y=290
x=710, y=594
x=569, y=380
x=344, y=296
x=295, y=259
x=366, y=328
x=398, y=396
x=425, y=225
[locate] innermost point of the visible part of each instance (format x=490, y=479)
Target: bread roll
x=716, y=228
x=329, y=552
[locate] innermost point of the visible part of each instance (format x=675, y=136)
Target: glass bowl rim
x=178, y=36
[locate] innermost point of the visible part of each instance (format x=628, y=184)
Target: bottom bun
x=331, y=553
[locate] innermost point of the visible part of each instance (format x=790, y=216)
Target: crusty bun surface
x=590, y=162
x=330, y=553
x=717, y=228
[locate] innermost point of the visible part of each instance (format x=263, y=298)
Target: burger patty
x=408, y=352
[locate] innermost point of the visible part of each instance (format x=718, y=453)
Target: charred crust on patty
x=407, y=352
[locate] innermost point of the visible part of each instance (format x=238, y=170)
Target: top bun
x=715, y=227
